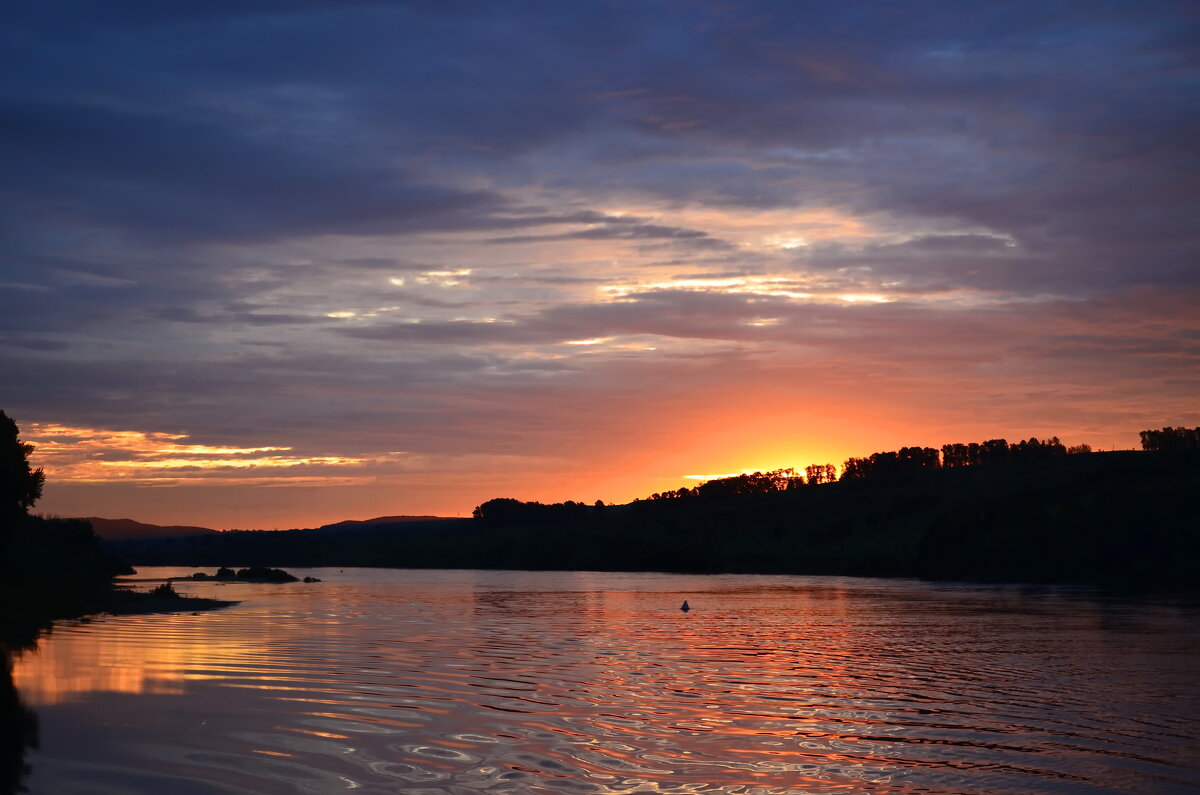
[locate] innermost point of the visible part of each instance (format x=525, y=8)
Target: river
x=448, y=682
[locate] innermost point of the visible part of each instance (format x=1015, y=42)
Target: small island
x=251, y=574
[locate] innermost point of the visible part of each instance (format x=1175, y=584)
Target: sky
x=276, y=264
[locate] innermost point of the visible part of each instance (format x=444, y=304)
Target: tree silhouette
x=1171, y=440
x=751, y=483
x=20, y=484
x=821, y=473
x=1036, y=449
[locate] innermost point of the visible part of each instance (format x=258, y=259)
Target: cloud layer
x=522, y=244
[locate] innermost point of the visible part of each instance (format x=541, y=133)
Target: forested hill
x=1124, y=519
x=117, y=529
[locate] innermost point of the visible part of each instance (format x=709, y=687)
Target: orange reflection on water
x=743, y=679
x=77, y=662
x=485, y=680
x=51, y=678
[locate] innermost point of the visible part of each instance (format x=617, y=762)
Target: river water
x=440, y=682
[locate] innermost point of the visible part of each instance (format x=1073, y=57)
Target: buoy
x=685, y=607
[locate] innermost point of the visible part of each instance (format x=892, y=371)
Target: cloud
x=229, y=221
x=373, y=120
x=34, y=344
x=181, y=179
x=611, y=232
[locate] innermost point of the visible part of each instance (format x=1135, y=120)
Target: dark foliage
x=49, y=569
x=20, y=484
x=890, y=464
x=820, y=473
x=754, y=483
x=18, y=726
x=252, y=574
x=1122, y=519
x=265, y=574
x=165, y=591
x=912, y=459
x=1171, y=440
x=751, y=483
x=506, y=511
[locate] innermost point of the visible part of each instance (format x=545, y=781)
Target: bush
x=166, y=591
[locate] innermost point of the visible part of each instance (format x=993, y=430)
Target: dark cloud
x=224, y=218
x=34, y=344
x=941, y=262
x=612, y=231
x=452, y=332
x=187, y=179
x=1041, y=121
x=1128, y=328
x=411, y=386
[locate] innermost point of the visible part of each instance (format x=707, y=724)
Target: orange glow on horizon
x=93, y=455
x=682, y=438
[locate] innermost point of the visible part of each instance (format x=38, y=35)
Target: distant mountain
x=131, y=530
x=380, y=520
x=125, y=529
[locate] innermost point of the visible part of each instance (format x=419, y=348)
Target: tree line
x=891, y=463
x=504, y=511
x=1171, y=440
x=882, y=464
x=1123, y=519
x=993, y=451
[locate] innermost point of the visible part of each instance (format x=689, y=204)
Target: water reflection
x=449, y=682
x=18, y=725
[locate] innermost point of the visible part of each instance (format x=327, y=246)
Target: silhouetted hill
x=1125, y=519
x=118, y=529
x=380, y=520
x=129, y=529
x=334, y=544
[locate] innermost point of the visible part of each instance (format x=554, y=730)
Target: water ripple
x=463, y=682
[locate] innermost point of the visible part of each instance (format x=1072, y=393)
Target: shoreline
x=125, y=603
x=1109, y=521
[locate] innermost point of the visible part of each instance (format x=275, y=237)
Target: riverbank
x=56, y=570
x=1123, y=520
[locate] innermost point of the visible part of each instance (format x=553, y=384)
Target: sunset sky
x=273, y=264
